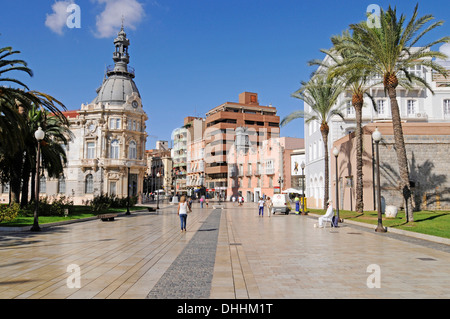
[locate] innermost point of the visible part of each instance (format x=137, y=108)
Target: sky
x=189, y=55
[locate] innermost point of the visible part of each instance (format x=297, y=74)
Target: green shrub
x=9, y=212
x=49, y=206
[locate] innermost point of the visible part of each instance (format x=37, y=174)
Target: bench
x=107, y=217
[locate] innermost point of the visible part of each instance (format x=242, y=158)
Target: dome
x=119, y=84
x=115, y=89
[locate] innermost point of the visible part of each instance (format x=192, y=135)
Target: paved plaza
x=228, y=253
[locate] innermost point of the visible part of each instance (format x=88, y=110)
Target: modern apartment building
x=241, y=125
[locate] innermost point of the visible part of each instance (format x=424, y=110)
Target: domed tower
x=110, y=132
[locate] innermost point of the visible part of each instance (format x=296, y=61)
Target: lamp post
x=302, y=165
x=376, y=136
x=336, y=153
x=128, y=189
x=39, y=135
x=157, y=191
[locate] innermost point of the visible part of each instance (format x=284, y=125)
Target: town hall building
x=107, y=152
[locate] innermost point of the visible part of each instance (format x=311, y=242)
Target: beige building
x=263, y=170
x=428, y=150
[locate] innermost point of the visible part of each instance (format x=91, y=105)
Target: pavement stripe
x=190, y=275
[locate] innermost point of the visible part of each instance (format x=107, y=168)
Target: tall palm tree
x=14, y=103
x=11, y=122
x=57, y=133
x=357, y=82
x=321, y=94
x=390, y=50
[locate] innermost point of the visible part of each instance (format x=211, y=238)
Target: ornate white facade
x=107, y=153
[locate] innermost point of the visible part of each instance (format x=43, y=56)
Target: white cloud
x=56, y=21
x=108, y=22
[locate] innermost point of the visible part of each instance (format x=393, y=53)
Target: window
x=132, y=150
x=112, y=188
x=42, y=184
x=89, y=187
x=415, y=70
x=90, y=150
x=350, y=109
x=114, y=150
x=381, y=106
x=447, y=107
x=114, y=124
x=61, y=185
x=410, y=107
x=5, y=188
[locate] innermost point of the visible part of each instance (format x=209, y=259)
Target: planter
x=391, y=211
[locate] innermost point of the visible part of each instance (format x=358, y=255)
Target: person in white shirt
x=261, y=207
x=183, y=209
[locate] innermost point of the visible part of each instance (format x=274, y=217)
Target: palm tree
x=14, y=103
x=321, y=94
x=57, y=133
x=357, y=82
x=10, y=120
x=390, y=51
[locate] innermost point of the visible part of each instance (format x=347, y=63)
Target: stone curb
x=436, y=239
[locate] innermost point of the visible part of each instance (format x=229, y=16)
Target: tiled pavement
x=146, y=256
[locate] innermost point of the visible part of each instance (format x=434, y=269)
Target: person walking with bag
x=183, y=209
x=269, y=205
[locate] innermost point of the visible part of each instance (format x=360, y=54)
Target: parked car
x=281, y=203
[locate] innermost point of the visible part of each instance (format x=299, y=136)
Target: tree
x=390, y=50
x=14, y=104
x=321, y=94
x=357, y=82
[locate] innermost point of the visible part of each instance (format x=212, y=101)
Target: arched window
x=61, y=185
x=89, y=187
x=114, y=150
x=132, y=150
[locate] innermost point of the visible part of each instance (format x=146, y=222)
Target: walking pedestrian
x=201, y=201
x=183, y=209
x=269, y=205
x=261, y=206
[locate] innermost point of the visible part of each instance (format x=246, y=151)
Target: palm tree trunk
x=401, y=154
x=324, y=129
x=359, y=160
x=16, y=177
x=25, y=181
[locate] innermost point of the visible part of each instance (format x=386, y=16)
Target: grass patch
x=436, y=223
x=76, y=212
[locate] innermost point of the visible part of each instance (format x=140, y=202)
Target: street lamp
x=39, y=135
x=376, y=136
x=128, y=190
x=336, y=153
x=157, y=191
x=302, y=165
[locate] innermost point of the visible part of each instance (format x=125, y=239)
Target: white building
x=106, y=154
x=417, y=105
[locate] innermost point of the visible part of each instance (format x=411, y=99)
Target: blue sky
x=189, y=55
